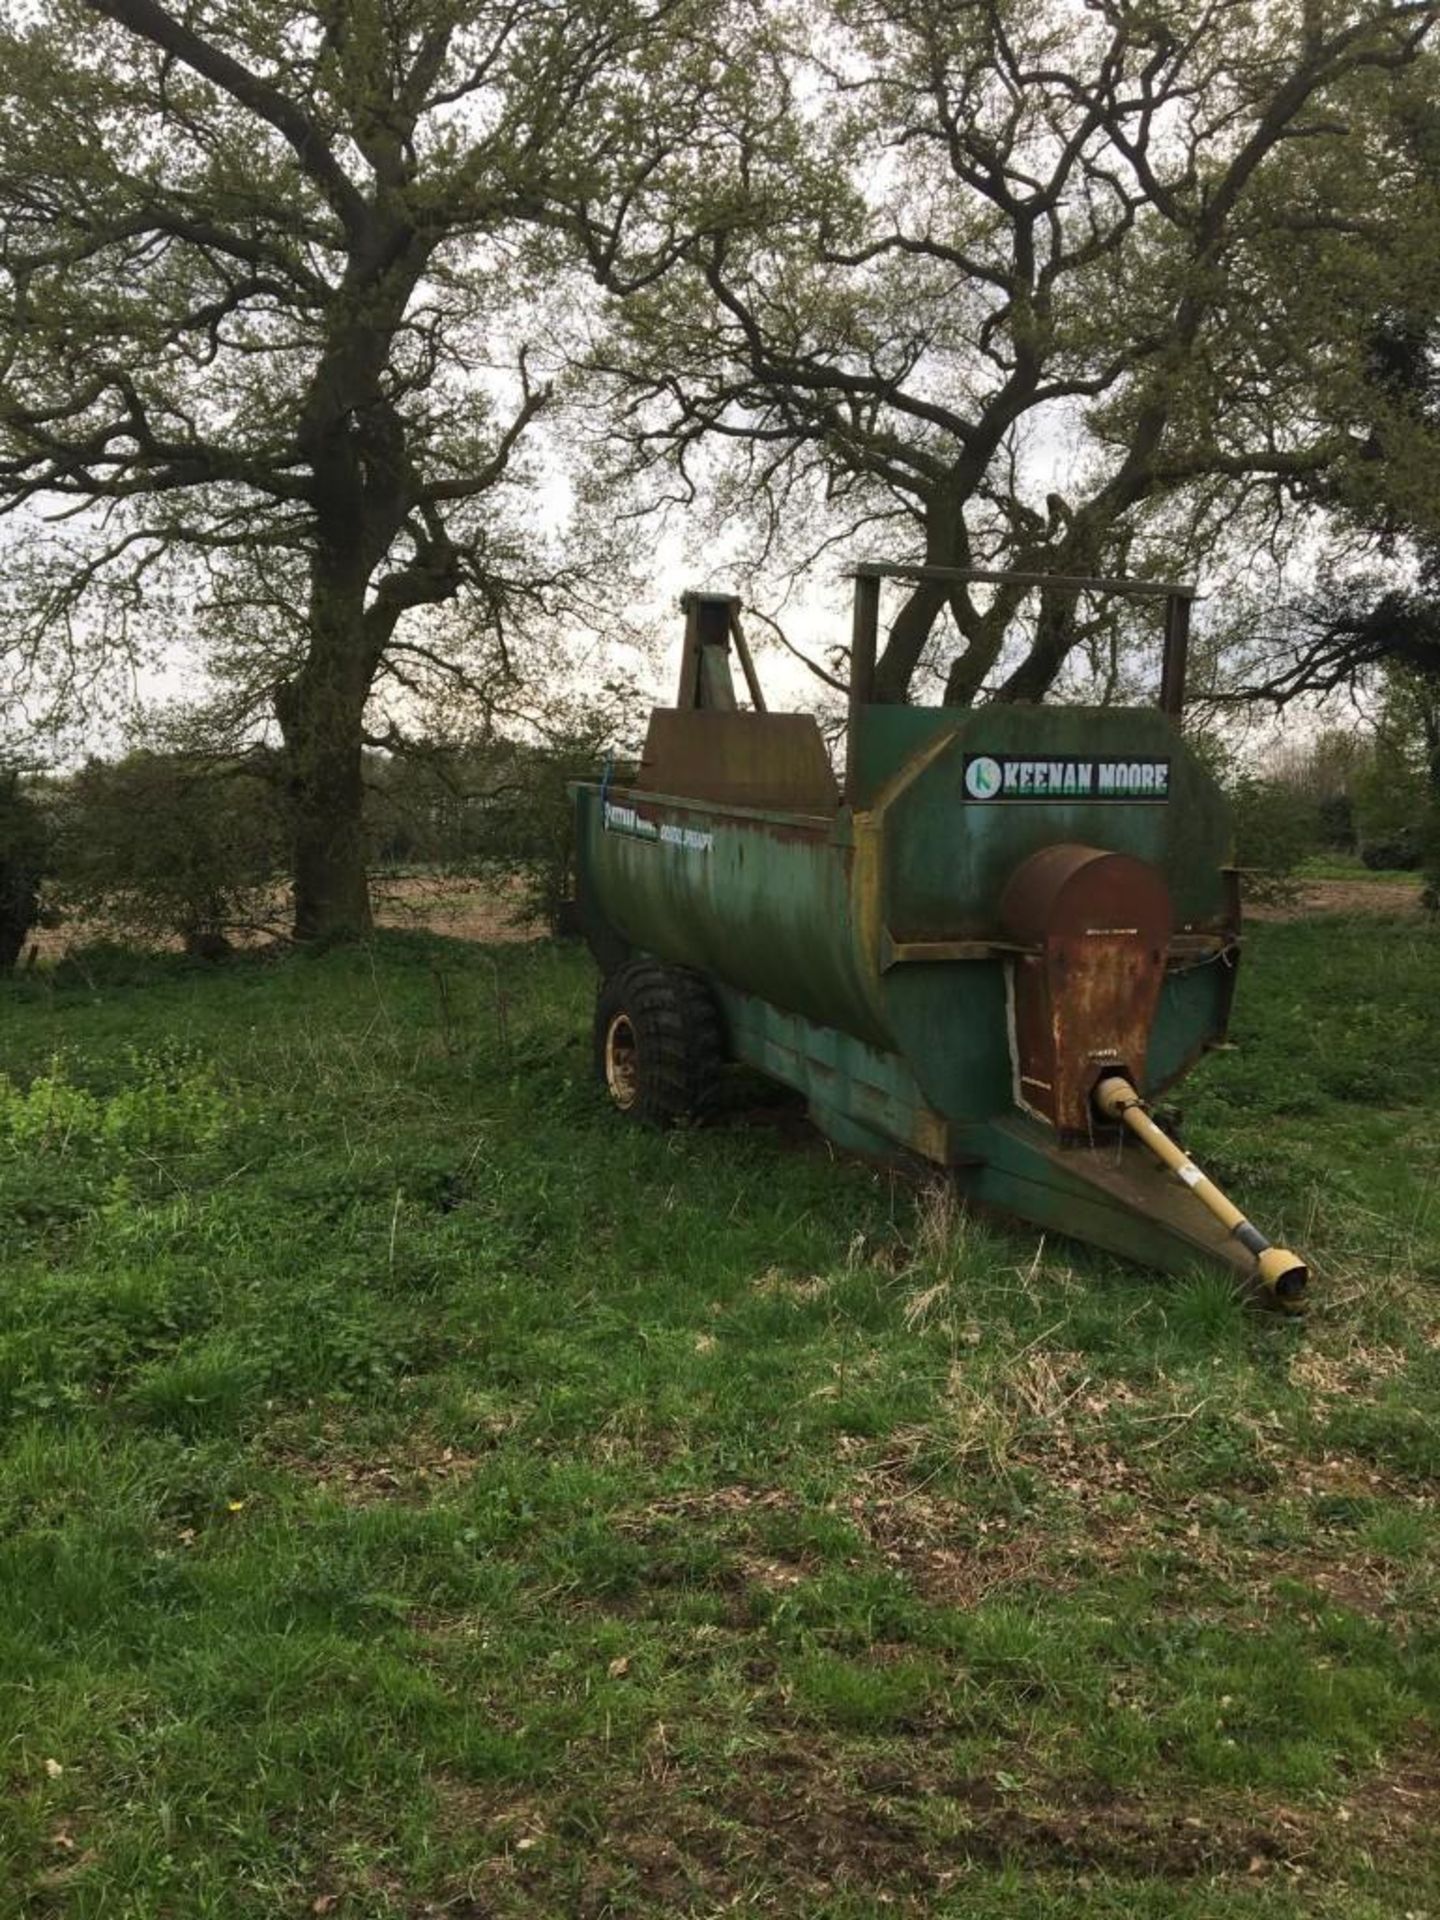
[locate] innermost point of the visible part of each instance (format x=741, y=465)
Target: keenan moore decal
x=1008, y=777
x=640, y=826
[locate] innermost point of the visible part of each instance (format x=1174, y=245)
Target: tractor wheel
x=658, y=1043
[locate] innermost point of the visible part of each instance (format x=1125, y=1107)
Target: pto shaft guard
x=1282, y=1274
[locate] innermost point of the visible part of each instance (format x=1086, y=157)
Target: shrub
x=1429, y=855
x=1395, y=848
x=23, y=853
x=526, y=831
x=160, y=845
x=1335, y=821
x=1275, y=829
x=418, y=806
x=1391, y=799
x=499, y=808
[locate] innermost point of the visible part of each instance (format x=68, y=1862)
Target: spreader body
x=1006, y=906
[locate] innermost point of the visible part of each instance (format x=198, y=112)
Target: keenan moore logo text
x=1007, y=777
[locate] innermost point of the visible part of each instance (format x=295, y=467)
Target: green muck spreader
x=1014, y=926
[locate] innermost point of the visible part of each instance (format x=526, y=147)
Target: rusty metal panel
x=767, y=760
x=1085, y=1001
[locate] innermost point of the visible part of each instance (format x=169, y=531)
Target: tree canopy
x=264, y=302
x=287, y=292
x=1015, y=312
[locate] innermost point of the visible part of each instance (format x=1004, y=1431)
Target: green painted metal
x=1111, y=1194
x=934, y=868
x=766, y=904
x=796, y=919
x=865, y=1098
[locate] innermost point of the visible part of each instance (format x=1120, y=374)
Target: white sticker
x=1191, y=1175
x=639, y=826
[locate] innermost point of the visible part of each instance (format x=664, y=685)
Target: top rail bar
x=1136, y=589
x=865, y=630
x=864, y=638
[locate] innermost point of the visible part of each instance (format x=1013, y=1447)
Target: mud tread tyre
x=679, y=1040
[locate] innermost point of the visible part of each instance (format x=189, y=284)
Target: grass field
x=422, y=1495
x=1348, y=866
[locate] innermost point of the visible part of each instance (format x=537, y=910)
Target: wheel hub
x=621, y=1065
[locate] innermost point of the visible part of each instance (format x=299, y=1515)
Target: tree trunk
x=1429, y=691
x=900, y=656
x=946, y=545
x=1049, y=650
x=332, y=890
x=321, y=712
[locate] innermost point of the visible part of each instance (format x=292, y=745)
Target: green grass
x=422, y=1495
x=1349, y=866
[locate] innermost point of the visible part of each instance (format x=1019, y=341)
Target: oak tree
x=1364, y=616
x=984, y=276
x=266, y=273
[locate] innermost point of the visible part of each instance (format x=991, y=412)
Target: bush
x=418, y=806
x=1397, y=849
x=1275, y=829
x=1391, y=800
x=159, y=846
x=23, y=854
x=526, y=831
x=500, y=808
x=1335, y=821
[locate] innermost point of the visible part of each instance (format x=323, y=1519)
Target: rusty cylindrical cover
x=1084, y=995
x=1067, y=890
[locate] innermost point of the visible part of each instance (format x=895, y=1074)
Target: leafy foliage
x=163, y=846
x=24, y=857
x=1397, y=789
x=501, y=811
x=526, y=830
x=1275, y=829
x=952, y=238
x=259, y=301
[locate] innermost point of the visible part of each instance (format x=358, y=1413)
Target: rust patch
x=1085, y=999
x=764, y=760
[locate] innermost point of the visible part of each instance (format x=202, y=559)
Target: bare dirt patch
x=707, y=1502
x=949, y=1555
x=1401, y=1803
x=916, y=1833
x=797, y=1826
x=1132, y=1839
x=1344, y=896
x=1365, y=1585
x=415, y=1475
x=462, y=909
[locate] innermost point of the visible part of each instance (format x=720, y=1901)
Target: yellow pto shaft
x=1282, y=1274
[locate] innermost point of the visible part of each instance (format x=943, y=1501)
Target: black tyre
x=659, y=1045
